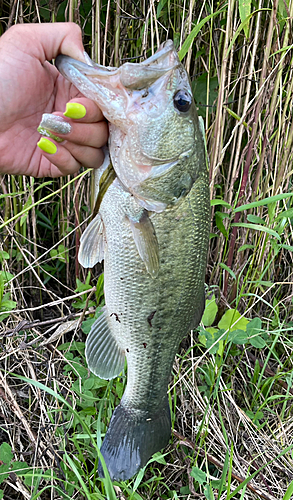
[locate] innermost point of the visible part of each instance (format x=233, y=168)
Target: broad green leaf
x=254, y=326
x=287, y=247
x=257, y=227
x=199, y=475
x=258, y=342
x=245, y=247
x=223, y=266
x=261, y=203
x=4, y=472
x=238, y=337
x=4, y=255
x=219, y=216
x=208, y=492
x=7, y=305
x=244, y=11
x=220, y=202
x=288, y=214
x=6, y=276
x=210, y=311
x=255, y=219
x=158, y=457
x=19, y=467
x=6, y=454
x=87, y=324
x=230, y=317
x=89, y=383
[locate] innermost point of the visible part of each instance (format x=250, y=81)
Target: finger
x=84, y=110
x=88, y=134
x=85, y=134
x=63, y=161
x=46, y=40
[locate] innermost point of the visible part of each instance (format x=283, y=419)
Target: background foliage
x=231, y=394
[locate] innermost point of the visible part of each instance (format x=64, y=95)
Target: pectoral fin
x=146, y=242
x=91, y=248
x=104, y=357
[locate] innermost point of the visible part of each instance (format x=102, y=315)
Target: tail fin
x=132, y=438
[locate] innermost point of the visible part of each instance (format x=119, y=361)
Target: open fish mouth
x=133, y=76
x=113, y=88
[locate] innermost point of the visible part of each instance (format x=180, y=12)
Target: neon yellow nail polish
x=47, y=146
x=74, y=110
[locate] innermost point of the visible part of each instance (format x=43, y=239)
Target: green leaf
x=8, y=305
x=257, y=227
x=1, y=494
x=254, y=326
x=158, y=457
x=223, y=266
x=261, y=203
x=238, y=337
x=189, y=40
x=258, y=342
x=6, y=276
x=245, y=247
x=255, y=219
x=26, y=207
x=288, y=214
x=210, y=311
x=230, y=317
x=19, y=467
x=6, y=454
x=88, y=383
x=244, y=11
x=4, y=472
x=220, y=202
x=208, y=492
x=4, y=255
x=289, y=493
x=87, y=324
x=100, y=288
x=199, y=475
x=287, y=247
x=219, y=216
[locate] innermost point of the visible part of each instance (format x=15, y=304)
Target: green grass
x=231, y=390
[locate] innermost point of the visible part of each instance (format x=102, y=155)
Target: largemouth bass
x=152, y=231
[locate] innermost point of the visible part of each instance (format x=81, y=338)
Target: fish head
x=153, y=122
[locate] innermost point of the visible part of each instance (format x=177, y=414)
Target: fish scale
x=152, y=231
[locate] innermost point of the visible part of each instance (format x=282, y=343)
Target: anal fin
x=104, y=356
x=91, y=248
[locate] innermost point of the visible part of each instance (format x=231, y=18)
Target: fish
x=152, y=231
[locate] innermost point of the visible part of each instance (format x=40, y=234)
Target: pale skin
x=31, y=86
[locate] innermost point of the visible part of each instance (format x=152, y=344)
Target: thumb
x=46, y=40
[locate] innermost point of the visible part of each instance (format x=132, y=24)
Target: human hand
x=31, y=86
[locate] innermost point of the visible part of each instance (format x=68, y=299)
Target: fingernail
x=43, y=131
x=55, y=123
x=47, y=146
x=74, y=110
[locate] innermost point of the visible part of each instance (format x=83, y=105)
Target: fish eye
x=182, y=101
